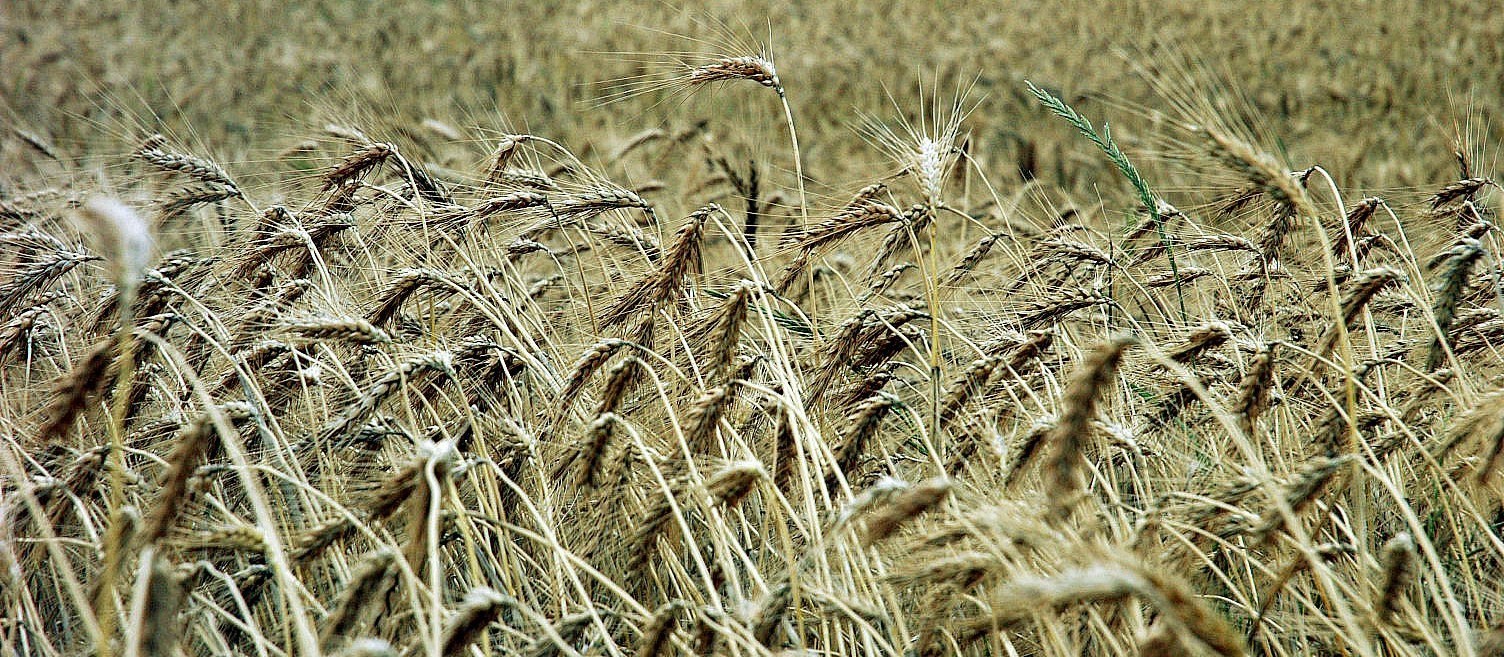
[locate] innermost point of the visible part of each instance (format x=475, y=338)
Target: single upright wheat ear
x=372, y=575
x=704, y=416
x=158, y=634
x=588, y=364
x=1398, y=559
x=1078, y=408
x=189, y=447
x=590, y=450
x=1456, y=266
x=864, y=425
x=506, y=149
x=85, y=379
x=722, y=332
x=1254, y=388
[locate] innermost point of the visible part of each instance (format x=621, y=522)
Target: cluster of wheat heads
x=411, y=410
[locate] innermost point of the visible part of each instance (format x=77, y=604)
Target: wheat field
x=747, y=329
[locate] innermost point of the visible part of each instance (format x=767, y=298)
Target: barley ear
x=1079, y=407
x=482, y=606
x=1398, y=560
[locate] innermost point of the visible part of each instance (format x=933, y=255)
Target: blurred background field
x=1373, y=90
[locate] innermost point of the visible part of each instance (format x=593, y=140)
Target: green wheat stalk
x=1103, y=141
